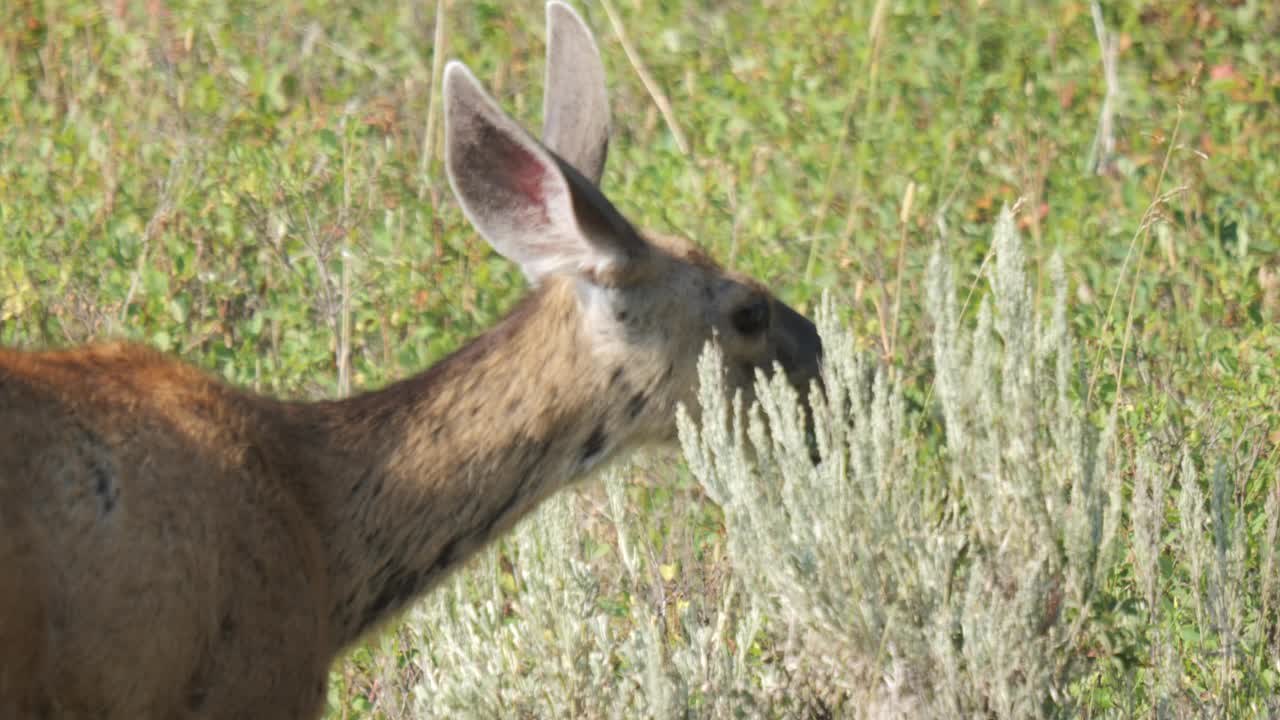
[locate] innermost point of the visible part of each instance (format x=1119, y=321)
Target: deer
x=174, y=547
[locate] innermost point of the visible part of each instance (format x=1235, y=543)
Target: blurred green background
x=257, y=186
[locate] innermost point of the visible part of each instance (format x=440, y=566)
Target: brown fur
x=172, y=547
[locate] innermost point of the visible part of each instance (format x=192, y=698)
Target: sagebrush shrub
x=955, y=590
x=882, y=568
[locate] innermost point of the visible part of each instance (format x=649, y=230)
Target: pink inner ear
x=523, y=172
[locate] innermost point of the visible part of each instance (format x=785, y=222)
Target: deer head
x=649, y=300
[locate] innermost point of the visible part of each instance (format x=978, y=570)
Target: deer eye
x=751, y=319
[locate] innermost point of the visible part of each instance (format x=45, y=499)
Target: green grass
x=227, y=181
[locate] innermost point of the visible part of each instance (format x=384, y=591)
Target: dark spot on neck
x=594, y=444
x=448, y=556
x=102, y=485
x=635, y=405
x=359, y=486
x=616, y=376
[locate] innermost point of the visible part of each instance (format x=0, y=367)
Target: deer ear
x=531, y=206
x=575, y=106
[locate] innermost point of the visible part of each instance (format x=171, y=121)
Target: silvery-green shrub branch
x=549, y=649
x=957, y=592
x=1210, y=605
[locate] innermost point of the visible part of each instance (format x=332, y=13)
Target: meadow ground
x=257, y=187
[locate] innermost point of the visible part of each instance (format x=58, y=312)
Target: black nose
x=799, y=347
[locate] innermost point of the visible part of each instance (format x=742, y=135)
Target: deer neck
x=422, y=474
